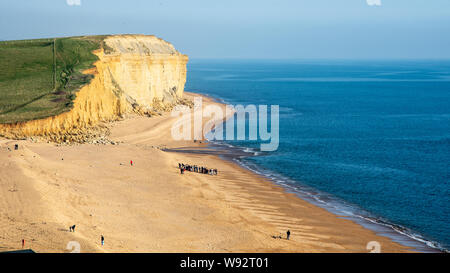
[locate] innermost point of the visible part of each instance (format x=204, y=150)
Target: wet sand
x=150, y=206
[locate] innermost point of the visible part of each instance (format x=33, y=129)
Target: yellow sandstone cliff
x=134, y=73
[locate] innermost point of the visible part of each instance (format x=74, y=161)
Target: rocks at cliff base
x=99, y=134
x=94, y=135
x=159, y=107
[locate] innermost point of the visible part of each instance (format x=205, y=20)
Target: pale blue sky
x=348, y=29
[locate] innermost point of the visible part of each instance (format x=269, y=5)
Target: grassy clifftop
x=39, y=78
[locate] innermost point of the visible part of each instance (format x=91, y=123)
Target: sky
x=263, y=29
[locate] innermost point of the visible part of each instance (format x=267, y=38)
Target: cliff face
x=134, y=73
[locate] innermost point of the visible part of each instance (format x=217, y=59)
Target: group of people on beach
x=196, y=169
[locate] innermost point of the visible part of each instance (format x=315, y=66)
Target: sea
x=367, y=140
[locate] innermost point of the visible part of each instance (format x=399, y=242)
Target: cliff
x=134, y=73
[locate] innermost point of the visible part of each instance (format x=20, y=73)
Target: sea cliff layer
x=134, y=73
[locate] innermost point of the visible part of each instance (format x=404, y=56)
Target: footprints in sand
x=277, y=214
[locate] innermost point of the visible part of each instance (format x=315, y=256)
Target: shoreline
x=338, y=207
x=306, y=194
x=149, y=207
x=341, y=208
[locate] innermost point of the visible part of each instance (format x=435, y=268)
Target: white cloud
x=373, y=2
x=73, y=2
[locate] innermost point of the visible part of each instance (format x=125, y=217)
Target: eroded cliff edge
x=134, y=73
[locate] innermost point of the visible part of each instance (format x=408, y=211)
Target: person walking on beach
x=102, y=240
x=131, y=162
x=23, y=243
x=288, y=233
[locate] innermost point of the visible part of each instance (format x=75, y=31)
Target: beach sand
x=150, y=206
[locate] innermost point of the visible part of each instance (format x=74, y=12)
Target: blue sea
x=365, y=139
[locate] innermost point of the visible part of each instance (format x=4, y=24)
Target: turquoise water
x=374, y=136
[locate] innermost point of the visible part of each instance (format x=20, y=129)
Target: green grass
x=32, y=87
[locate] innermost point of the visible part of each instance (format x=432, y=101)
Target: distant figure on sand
x=131, y=162
x=288, y=234
x=72, y=228
x=103, y=240
x=23, y=243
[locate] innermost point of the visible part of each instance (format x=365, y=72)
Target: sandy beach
x=150, y=206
